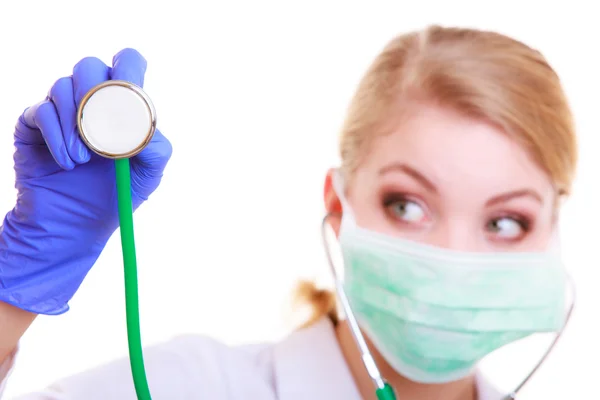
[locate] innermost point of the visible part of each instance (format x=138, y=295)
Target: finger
x=47, y=120
x=27, y=131
x=130, y=66
x=62, y=95
x=88, y=73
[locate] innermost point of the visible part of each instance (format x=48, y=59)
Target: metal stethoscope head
x=116, y=119
x=383, y=390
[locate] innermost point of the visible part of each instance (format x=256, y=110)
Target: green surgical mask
x=433, y=313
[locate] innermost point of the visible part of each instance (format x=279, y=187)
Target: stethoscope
x=117, y=120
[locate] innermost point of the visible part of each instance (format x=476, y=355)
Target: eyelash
x=393, y=198
x=525, y=222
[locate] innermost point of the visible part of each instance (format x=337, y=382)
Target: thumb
x=156, y=155
x=147, y=167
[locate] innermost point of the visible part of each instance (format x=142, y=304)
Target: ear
x=333, y=205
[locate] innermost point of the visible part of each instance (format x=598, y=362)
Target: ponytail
x=322, y=302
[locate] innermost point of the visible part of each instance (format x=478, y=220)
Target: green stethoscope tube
x=136, y=356
x=386, y=393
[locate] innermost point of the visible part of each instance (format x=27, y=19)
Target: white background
x=252, y=95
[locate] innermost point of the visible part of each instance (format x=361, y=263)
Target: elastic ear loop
x=125, y=211
x=383, y=390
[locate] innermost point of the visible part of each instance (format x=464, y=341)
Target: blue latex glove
x=67, y=205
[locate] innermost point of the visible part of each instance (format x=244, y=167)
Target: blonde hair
x=481, y=74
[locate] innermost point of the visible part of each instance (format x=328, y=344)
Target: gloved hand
x=67, y=205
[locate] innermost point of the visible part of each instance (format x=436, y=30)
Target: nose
x=454, y=234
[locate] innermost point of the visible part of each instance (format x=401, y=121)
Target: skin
x=453, y=182
x=13, y=324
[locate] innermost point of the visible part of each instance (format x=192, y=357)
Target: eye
x=406, y=210
x=508, y=228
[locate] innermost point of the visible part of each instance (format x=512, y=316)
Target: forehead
x=458, y=152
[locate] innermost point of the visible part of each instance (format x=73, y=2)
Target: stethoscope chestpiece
x=116, y=119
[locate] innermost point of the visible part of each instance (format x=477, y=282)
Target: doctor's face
x=446, y=180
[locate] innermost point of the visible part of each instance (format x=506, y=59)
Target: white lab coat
x=307, y=365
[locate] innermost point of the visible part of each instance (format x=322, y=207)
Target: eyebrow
x=501, y=198
x=410, y=171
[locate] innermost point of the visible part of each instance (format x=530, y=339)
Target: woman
x=457, y=149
